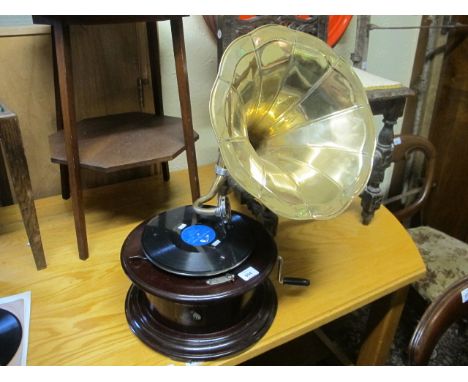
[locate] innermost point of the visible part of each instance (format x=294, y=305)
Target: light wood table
x=77, y=314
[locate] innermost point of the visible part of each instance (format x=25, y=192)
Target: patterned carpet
x=346, y=333
x=451, y=350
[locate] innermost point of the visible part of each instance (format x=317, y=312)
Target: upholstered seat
x=446, y=259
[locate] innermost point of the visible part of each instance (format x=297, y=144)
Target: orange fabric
x=337, y=25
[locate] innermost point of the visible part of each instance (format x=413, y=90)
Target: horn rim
x=334, y=60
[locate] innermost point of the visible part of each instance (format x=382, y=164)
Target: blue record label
x=198, y=235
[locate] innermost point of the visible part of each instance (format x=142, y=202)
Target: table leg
x=383, y=322
x=65, y=185
x=371, y=197
x=6, y=198
x=10, y=137
x=155, y=67
x=391, y=108
x=65, y=81
x=185, y=107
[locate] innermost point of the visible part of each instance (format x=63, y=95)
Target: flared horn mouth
x=293, y=123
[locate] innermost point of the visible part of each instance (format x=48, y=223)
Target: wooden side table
x=122, y=141
x=12, y=144
x=386, y=98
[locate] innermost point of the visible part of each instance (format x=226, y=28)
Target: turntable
x=296, y=137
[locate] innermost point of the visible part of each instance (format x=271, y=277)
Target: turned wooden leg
x=391, y=108
x=15, y=159
x=185, y=107
x=65, y=82
x=371, y=197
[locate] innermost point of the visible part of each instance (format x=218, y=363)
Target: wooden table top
x=77, y=309
x=100, y=19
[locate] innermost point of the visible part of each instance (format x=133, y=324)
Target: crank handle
x=290, y=280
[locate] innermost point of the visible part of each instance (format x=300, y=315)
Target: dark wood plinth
x=189, y=318
x=108, y=143
x=252, y=323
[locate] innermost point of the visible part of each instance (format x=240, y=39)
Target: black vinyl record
x=10, y=336
x=185, y=243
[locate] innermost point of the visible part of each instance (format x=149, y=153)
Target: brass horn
x=293, y=123
x=295, y=131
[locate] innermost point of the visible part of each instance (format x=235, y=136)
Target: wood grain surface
x=123, y=141
x=13, y=150
x=107, y=60
x=28, y=90
x=447, y=207
x=77, y=314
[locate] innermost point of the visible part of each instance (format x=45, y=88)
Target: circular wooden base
x=166, y=338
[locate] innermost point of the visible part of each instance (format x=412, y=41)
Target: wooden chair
x=404, y=146
x=15, y=160
x=448, y=308
x=446, y=258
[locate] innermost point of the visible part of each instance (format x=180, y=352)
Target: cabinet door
x=106, y=66
x=110, y=76
x=447, y=207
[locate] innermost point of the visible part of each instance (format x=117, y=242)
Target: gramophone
x=296, y=137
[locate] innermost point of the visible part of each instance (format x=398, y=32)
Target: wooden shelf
x=123, y=141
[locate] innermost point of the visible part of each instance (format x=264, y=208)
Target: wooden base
x=251, y=323
x=205, y=317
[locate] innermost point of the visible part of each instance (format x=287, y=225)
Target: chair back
x=405, y=145
x=449, y=307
